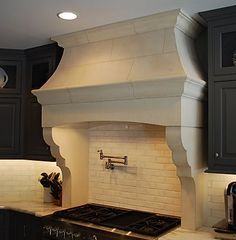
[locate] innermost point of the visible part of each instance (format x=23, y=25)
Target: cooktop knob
x=69, y=235
x=92, y=237
x=76, y=236
x=62, y=234
x=54, y=231
x=47, y=230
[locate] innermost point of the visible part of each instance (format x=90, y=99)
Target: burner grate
x=77, y=212
x=102, y=215
x=128, y=220
x=90, y=213
x=155, y=225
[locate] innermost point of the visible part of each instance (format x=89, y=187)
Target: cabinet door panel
x=41, y=63
x=14, y=72
x=10, y=127
x=20, y=124
x=24, y=226
x=224, y=38
x=4, y=225
x=36, y=148
x=224, y=126
x=41, y=70
x=221, y=89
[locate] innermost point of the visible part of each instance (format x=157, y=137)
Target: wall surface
x=19, y=179
x=215, y=185
x=149, y=182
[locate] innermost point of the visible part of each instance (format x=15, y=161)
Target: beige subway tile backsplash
x=148, y=183
x=19, y=179
x=150, y=176
x=216, y=184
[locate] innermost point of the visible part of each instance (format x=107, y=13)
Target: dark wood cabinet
x=222, y=35
x=40, y=69
x=14, y=69
x=19, y=226
x=223, y=124
x=24, y=226
x=4, y=225
x=41, y=62
x=11, y=104
x=35, y=146
x=20, y=126
x=221, y=89
x=10, y=127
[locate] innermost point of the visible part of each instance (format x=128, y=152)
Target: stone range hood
x=143, y=70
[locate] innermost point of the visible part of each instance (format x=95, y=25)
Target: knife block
x=47, y=196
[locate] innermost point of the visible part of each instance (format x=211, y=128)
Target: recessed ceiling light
x=67, y=15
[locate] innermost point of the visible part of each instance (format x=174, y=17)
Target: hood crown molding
x=175, y=18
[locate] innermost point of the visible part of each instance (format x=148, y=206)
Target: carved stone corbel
x=187, y=148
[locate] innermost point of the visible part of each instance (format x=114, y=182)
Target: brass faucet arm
x=110, y=163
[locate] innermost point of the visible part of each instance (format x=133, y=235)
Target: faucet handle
x=109, y=164
x=101, y=154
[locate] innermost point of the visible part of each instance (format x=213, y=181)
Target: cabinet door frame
x=19, y=67
x=216, y=30
x=18, y=91
x=4, y=224
x=219, y=159
x=40, y=151
x=49, y=55
x=31, y=63
x=24, y=226
x=15, y=149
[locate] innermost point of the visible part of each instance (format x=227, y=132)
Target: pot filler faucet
x=110, y=164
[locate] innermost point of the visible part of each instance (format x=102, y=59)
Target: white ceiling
x=29, y=23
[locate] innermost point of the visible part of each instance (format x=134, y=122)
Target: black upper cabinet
x=221, y=89
x=12, y=62
x=221, y=43
x=223, y=124
x=14, y=72
x=10, y=126
x=11, y=104
x=41, y=62
x=40, y=70
x=20, y=126
x=35, y=146
x=224, y=47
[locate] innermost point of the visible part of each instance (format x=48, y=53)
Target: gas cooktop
x=140, y=222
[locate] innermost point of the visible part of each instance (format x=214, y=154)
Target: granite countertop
x=36, y=208
x=203, y=233
x=43, y=209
